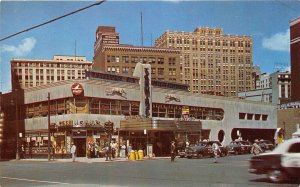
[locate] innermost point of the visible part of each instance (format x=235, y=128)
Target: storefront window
x=105, y=107
x=94, y=106
x=125, y=108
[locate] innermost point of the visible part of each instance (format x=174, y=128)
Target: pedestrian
x=216, y=149
x=53, y=151
x=129, y=149
x=256, y=149
x=173, y=151
x=73, y=151
x=107, y=152
x=22, y=152
x=123, y=151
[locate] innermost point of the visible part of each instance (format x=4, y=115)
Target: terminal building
x=143, y=111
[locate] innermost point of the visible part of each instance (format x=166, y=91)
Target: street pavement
x=230, y=171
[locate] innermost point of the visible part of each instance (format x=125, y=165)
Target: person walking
x=256, y=149
x=216, y=149
x=73, y=151
x=173, y=151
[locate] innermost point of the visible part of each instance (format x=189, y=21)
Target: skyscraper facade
x=212, y=62
x=110, y=56
x=295, y=58
x=28, y=73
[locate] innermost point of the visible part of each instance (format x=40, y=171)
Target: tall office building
x=28, y=73
x=212, y=62
x=110, y=56
x=295, y=58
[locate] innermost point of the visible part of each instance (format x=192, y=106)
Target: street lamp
x=49, y=127
x=15, y=99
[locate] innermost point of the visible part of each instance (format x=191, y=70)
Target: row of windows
x=117, y=107
x=209, y=42
x=154, y=71
x=251, y=116
x=50, y=71
x=54, y=65
x=135, y=59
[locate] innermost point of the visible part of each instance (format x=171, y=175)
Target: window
x=160, y=71
x=264, y=117
x=242, y=115
x=249, y=116
x=160, y=61
x=295, y=148
x=257, y=117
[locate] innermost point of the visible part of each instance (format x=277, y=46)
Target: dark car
x=181, y=152
x=239, y=147
x=197, y=151
x=281, y=164
x=266, y=145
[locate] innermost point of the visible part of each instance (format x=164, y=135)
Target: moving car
x=281, y=164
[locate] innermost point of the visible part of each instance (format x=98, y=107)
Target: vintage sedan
x=239, y=147
x=281, y=164
x=223, y=150
x=266, y=145
x=197, y=151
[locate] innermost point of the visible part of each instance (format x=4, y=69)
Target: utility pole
x=17, y=125
x=49, y=140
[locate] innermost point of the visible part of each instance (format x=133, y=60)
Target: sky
x=266, y=21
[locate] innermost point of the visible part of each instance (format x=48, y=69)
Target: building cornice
x=14, y=60
x=140, y=49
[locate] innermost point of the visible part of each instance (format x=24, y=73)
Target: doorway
x=80, y=144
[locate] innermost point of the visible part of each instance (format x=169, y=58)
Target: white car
x=281, y=164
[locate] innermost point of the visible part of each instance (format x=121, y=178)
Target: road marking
x=30, y=180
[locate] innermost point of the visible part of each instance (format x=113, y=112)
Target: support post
x=49, y=140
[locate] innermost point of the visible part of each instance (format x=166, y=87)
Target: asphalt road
x=231, y=171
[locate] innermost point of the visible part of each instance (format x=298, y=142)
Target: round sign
x=77, y=89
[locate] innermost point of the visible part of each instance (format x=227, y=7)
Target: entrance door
x=80, y=144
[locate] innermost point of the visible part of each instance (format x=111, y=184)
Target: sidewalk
x=91, y=160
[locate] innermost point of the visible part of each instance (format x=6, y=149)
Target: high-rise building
x=28, y=73
x=110, y=56
x=212, y=62
x=295, y=58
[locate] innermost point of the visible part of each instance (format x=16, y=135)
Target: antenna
x=142, y=37
x=75, y=50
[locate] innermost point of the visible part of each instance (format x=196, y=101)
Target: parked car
x=224, y=151
x=246, y=146
x=181, y=152
x=266, y=145
x=281, y=164
x=196, y=151
x=234, y=147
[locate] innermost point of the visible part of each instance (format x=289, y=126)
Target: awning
x=160, y=125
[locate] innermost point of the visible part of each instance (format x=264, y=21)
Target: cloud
x=22, y=49
x=278, y=42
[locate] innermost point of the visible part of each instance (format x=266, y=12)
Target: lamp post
x=49, y=156
x=17, y=125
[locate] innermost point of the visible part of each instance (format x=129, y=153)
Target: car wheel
x=276, y=176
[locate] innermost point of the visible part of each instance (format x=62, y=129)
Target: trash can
x=136, y=155
x=132, y=155
x=141, y=154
